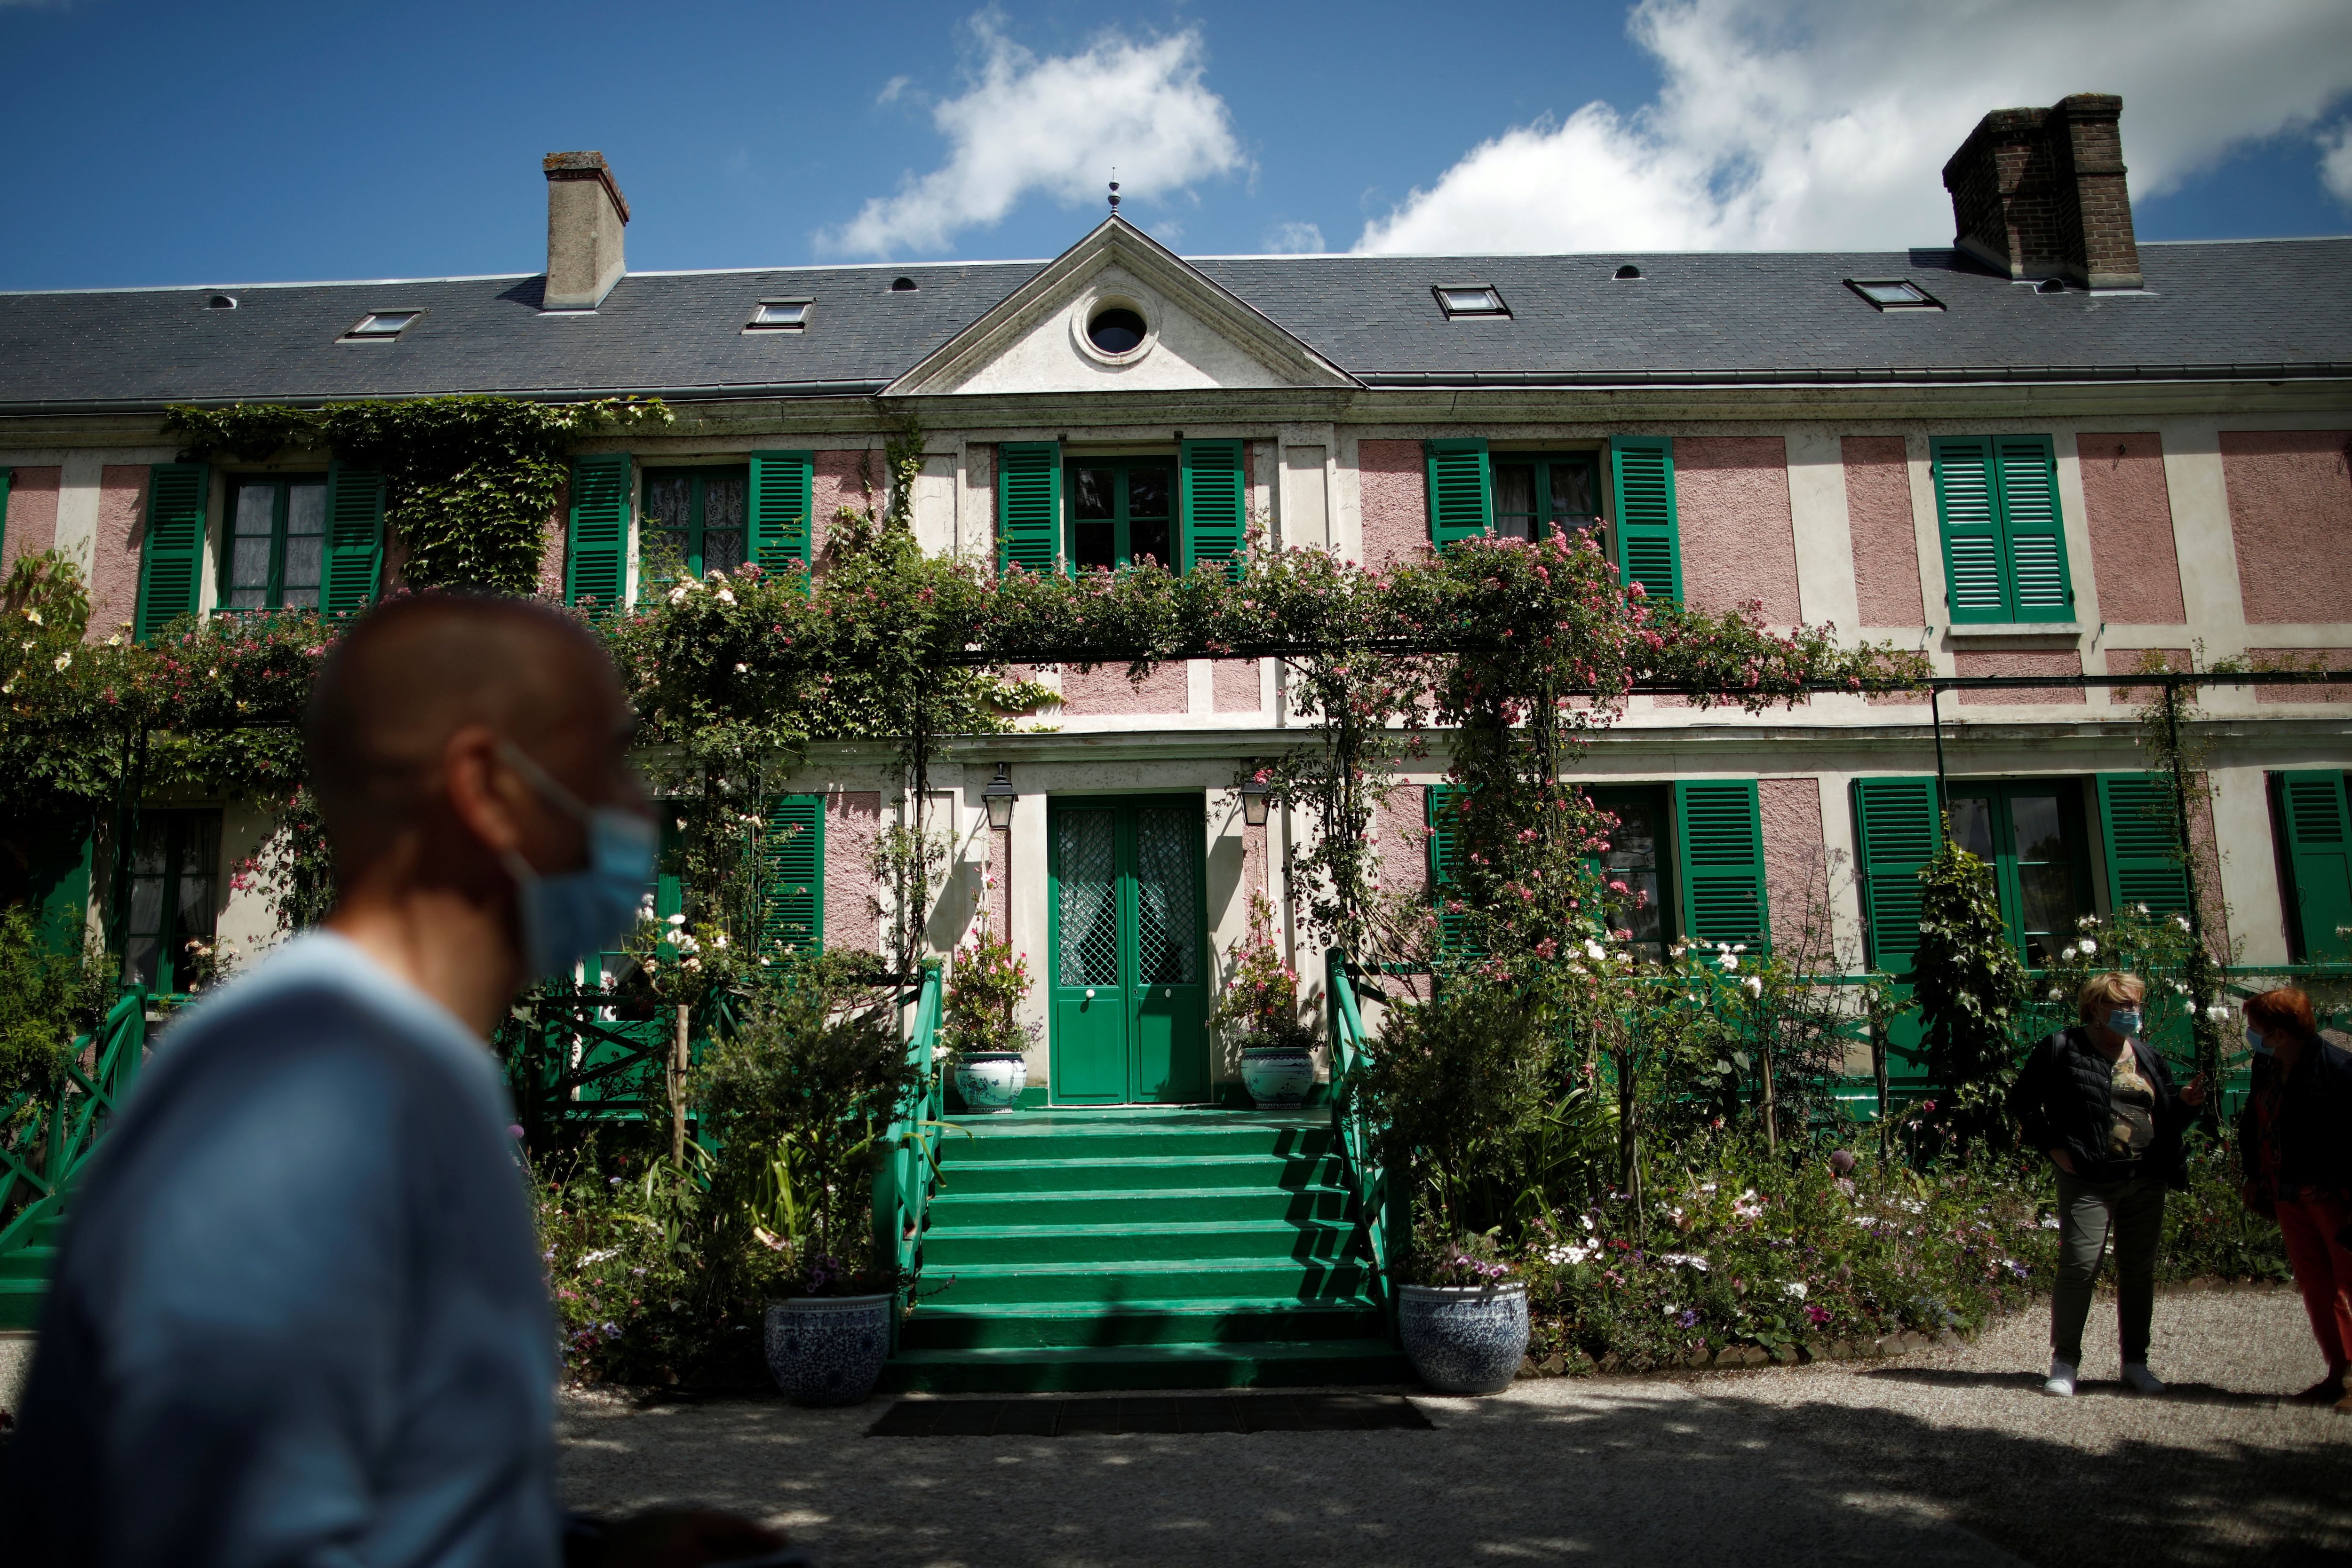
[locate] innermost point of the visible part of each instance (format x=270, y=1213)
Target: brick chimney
x=585, y=215
x=2039, y=193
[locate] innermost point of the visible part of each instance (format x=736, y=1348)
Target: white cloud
x=1293, y=239
x=1796, y=123
x=1060, y=125
x=892, y=89
x=2336, y=163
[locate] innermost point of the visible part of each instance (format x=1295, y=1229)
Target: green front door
x=1129, y=924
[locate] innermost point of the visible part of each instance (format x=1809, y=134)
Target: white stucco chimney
x=585, y=214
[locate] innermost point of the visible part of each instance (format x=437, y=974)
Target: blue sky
x=240, y=142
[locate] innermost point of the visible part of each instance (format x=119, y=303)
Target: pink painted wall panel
x=1394, y=482
x=1400, y=832
x=1253, y=865
x=31, y=526
x=2128, y=661
x=2020, y=662
x=997, y=898
x=2206, y=848
x=838, y=479
x=1105, y=689
x=2129, y=508
x=1796, y=864
x=2290, y=512
x=114, y=565
x=1878, y=517
x=554, y=541
x=853, y=828
x=1731, y=502
x=2305, y=659
x=1236, y=685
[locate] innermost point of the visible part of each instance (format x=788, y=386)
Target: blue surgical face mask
x=568, y=917
x=2124, y=1021
x=2256, y=1044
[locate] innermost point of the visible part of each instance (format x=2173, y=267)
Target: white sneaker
x=2142, y=1380
x=2060, y=1385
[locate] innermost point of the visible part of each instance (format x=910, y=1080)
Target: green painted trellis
x=46, y=1140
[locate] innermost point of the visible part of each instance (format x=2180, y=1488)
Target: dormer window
x=381, y=326
x=1480, y=300
x=1894, y=294
x=779, y=315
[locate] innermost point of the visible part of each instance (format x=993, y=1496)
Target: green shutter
x=782, y=486
x=1445, y=862
x=1217, y=508
x=354, y=561
x=1648, y=549
x=669, y=865
x=175, y=549
x=1720, y=855
x=1899, y=833
x=792, y=875
x=596, y=557
x=2033, y=541
x=1028, y=505
x=2318, y=827
x=2139, y=825
x=1461, y=489
x=1968, y=511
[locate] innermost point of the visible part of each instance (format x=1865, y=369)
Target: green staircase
x=24, y=1272
x=1093, y=1250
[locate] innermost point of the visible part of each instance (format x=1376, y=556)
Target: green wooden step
x=35, y=1263
x=1140, y=1209
x=1046, y=1371
x=1267, y=1279
x=1198, y=1320
x=1140, y=1173
x=20, y=1302
x=1311, y=1240
x=1114, y=1135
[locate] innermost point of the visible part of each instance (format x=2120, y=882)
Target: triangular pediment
x=1200, y=335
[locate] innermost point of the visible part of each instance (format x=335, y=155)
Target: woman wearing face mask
x=2098, y=1100
x=2295, y=1138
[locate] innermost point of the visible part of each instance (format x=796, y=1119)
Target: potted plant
x=979, y=1026
x=1457, y=1084
x=800, y=1099
x=1258, y=1014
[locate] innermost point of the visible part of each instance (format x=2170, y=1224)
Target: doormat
x=1064, y=1417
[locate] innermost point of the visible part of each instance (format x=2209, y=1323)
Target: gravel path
x=1947, y=1456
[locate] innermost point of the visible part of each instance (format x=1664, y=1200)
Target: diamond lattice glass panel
x=1167, y=943
x=1089, y=909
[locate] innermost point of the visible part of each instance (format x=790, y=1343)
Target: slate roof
x=2263, y=309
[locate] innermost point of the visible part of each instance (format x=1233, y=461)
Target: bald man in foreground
x=299, y=1316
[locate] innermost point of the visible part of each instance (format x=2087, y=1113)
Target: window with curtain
x=276, y=544
x=693, y=522
x=174, y=877
x=1536, y=491
x=1635, y=859
x=2032, y=835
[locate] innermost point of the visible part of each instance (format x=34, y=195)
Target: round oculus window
x=1116, y=330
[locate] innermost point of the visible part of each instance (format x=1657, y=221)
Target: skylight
x=1626, y=273
x=779, y=315
x=1894, y=294
x=379, y=325
x=1479, y=301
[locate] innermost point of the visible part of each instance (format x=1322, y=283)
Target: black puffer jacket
x=2315, y=1121
x=2065, y=1099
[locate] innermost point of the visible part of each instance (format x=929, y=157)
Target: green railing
x=47, y=1139
x=909, y=1171
x=1380, y=1203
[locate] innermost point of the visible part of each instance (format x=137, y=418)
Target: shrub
x=1259, y=1006
x=984, y=993
x=1971, y=988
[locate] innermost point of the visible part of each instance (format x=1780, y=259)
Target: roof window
x=1627, y=271
x=2051, y=286
x=1474, y=301
x=779, y=315
x=902, y=286
x=381, y=326
x=220, y=301
x=1894, y=294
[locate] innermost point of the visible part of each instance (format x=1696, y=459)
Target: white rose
x=2089, y=947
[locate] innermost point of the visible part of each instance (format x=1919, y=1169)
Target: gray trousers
x=2088, y=1213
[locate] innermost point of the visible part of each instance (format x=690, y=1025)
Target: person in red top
x=2295, y=1137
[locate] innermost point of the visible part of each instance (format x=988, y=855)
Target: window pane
x=1972, y=824
x=1090, y=497
x=1515, y=499
x=1094, y=546
x=725, y=527
x=2048, y=894
x=1631, y=859
x=303, y=555
x=665, y=547
x=198, y=850
x=139, y=961
x=669, y=500
x=1571, y=492
x=2041, y=832
x=256, y=506
x=306, y=508
x=1147, y=539
x=249, y=572
x=1146, y=492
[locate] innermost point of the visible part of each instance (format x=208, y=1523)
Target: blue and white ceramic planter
x=1278, y=1076
x=991, y=1081
x=828, y=1349
x=1465, y=1339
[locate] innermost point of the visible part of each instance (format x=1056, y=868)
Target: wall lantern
x=1254, y=797
x=999, y=797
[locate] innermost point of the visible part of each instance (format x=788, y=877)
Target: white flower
x=684, y=943
x=1595, y=951
x=1794, y=1289
x=2089, y=947
x=719, y=940
x=2048, y=1222
x=2140, y=909
x=2218, y=1012
x=1755, y=986
x=2181, y=921
x=677, y=595
x=598, y=1256
x=691, y=965
x=1588, y=1222
x=1729, y=963
x=676, y=920
x=2066, y=952
x=1739, y=946
x=725, y=596
x=115, y=640
x=33, y=616
x=1683, y=1261
x=63, y=660
x=764, y=963
x=743, y=669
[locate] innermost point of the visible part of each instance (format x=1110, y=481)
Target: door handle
x=1166, y=991
x=1090, y=993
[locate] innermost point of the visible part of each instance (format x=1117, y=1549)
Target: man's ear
x=483, y=792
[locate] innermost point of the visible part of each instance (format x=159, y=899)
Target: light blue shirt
x=299, y=1315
